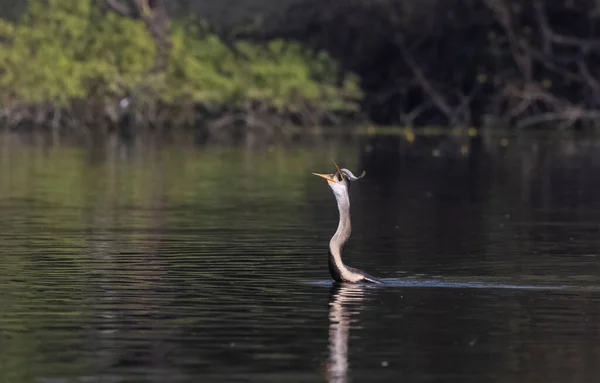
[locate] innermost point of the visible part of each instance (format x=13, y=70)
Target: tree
x=154, y=15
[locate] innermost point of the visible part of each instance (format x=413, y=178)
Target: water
x=147, y=262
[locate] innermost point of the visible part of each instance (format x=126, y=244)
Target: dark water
x=179, y=264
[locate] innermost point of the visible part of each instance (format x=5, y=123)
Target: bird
x=339, y=184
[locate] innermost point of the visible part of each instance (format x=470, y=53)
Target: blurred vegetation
x=270, y=63
x=458, y=62
x=67, y=62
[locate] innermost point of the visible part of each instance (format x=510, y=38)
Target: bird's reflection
x=345, y=302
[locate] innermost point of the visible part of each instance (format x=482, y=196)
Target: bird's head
x=338, y=181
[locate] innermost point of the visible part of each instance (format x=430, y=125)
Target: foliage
x=62, y=50
x=206, y=70
x=66, y=51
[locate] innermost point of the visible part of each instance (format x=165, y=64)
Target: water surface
x=126, y=262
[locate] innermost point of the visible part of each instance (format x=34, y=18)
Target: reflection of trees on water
x=532, y=214
x=135, y=224
x=96, y=223
x=490, y=180
x=345, y=302
x=125, y=255
x=125, y=221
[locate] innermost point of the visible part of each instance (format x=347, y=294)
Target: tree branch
x=550, y=35
x=408, y=118
x=589, y=78
x=428, y=88
x=120, y=8
x=568, y=115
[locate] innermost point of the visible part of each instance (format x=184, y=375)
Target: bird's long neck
x=342, y=233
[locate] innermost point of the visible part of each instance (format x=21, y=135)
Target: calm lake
x=174, y=262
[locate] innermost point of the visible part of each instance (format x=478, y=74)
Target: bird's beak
x=328, y=177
